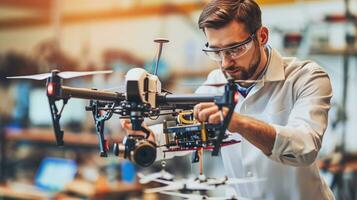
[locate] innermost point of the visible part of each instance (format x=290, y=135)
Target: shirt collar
x=275, y=70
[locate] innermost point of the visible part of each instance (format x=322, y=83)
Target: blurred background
x=81, y=35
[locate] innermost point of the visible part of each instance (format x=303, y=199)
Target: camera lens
x=144, y=153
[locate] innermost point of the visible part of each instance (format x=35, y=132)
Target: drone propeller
x=245, y=180
x=201, y=184
x=173, y=186
x=69, y=74
x=181, y=186
x=199, y=197
x=35, y=77
x=190, y=185
x=64, y=75
x=231, y=181
x=186, y=196
x=163, y=174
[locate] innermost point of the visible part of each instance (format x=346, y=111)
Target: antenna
x=161, y=41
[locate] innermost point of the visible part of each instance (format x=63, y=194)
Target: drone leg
x=56, y=121
x=224, y=126
x=103, y=143
x=99, y=126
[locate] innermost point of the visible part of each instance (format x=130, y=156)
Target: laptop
x=55, y=173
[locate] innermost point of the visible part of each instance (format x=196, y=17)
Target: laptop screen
x=54, y=173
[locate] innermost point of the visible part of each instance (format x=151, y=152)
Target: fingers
x=209, y=112
x=218, y=116
x=203, y=111
x=199, y=107
x=126, y=124
x=215, y=118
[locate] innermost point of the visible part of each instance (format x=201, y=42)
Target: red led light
x=236, y=95
x=50, y=89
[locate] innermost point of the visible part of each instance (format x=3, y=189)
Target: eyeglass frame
x=244, y=42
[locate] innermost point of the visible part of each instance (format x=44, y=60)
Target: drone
x=186, y=187
x=200, y=183
x=201, y=197
x=143, y=98
x=163, y=175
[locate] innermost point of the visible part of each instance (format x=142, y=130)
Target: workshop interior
x=70, y=71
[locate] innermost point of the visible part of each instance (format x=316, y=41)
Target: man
x=282, y=111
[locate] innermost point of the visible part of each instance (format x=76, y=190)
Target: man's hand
x=209, y=112
x=259, y=133
x=126, y=124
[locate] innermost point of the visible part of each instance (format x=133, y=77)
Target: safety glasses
x=232, y=52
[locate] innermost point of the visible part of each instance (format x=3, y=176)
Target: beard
x=242, y=73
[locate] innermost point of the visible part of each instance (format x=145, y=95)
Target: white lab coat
x=294, y=98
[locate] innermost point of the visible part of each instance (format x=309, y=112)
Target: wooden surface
x=48, y=136
x=117, y=190
x=81, y=188
x=110, y=14
x=102, y=189
x=9, y=192
x=333, y=163
x=98, y=190
x=334, y=51
x=335, y=168
x=42, y=15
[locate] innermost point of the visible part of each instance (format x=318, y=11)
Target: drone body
x=142, y=87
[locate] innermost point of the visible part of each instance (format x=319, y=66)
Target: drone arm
x=84, y=93
x=229, y=99
x=224, y=127
x=99, y=126
x=185, y=99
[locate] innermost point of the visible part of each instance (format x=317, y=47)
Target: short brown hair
x=218, y=13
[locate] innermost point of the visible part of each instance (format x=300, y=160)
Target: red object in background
x=336, y=18
x=292, y=39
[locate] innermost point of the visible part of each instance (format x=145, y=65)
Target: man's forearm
x=259, y=133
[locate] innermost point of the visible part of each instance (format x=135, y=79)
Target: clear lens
x=239, y=51
x=232, y=53
x=214, y=55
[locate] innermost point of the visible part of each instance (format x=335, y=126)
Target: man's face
x=241, y=67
